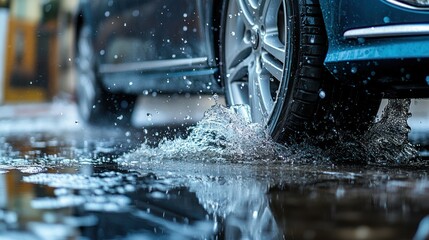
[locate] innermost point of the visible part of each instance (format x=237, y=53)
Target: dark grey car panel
x=153, y=45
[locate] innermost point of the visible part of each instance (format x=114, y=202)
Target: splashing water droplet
x=216, y=98
x=322, y=94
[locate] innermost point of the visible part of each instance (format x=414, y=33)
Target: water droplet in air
x=322, y=94
x=386, y=19
x=216, y=98
x=136, y=13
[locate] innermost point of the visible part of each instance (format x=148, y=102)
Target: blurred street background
x=37, y=68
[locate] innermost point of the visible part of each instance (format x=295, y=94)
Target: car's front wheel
x=272, y=54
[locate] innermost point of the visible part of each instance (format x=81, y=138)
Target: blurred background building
x=36, y=49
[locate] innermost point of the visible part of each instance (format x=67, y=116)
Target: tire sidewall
x=277, y=122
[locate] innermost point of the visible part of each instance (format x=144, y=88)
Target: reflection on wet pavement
x=91, y=183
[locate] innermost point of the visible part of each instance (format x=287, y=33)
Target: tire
x=272, y=55
x=96, y=105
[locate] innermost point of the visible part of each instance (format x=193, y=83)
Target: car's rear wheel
x=272, y=54
x=95, y=104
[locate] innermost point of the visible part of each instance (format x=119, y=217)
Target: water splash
x=222, y=135
x=227, y=134
x=385, y=143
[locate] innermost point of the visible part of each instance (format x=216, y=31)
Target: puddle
x=105, y=205
x=225, y=180
x=98, y=192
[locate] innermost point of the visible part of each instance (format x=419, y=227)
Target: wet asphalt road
x=61, y=179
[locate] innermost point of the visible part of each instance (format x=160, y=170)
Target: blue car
x=304, y=67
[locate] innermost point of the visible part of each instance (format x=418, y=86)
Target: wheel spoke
x=265, y=98
x=248, y=12
x=261, y=102
x=240, y=91
x=254, y=96
x=273, y=46
x=269, y=13
x=237, y=79
x=274, y=67
x=238, y=72
x=242, y=52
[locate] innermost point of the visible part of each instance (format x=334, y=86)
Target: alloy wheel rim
x=256, y=55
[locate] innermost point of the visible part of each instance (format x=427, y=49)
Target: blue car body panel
x=394, y=64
